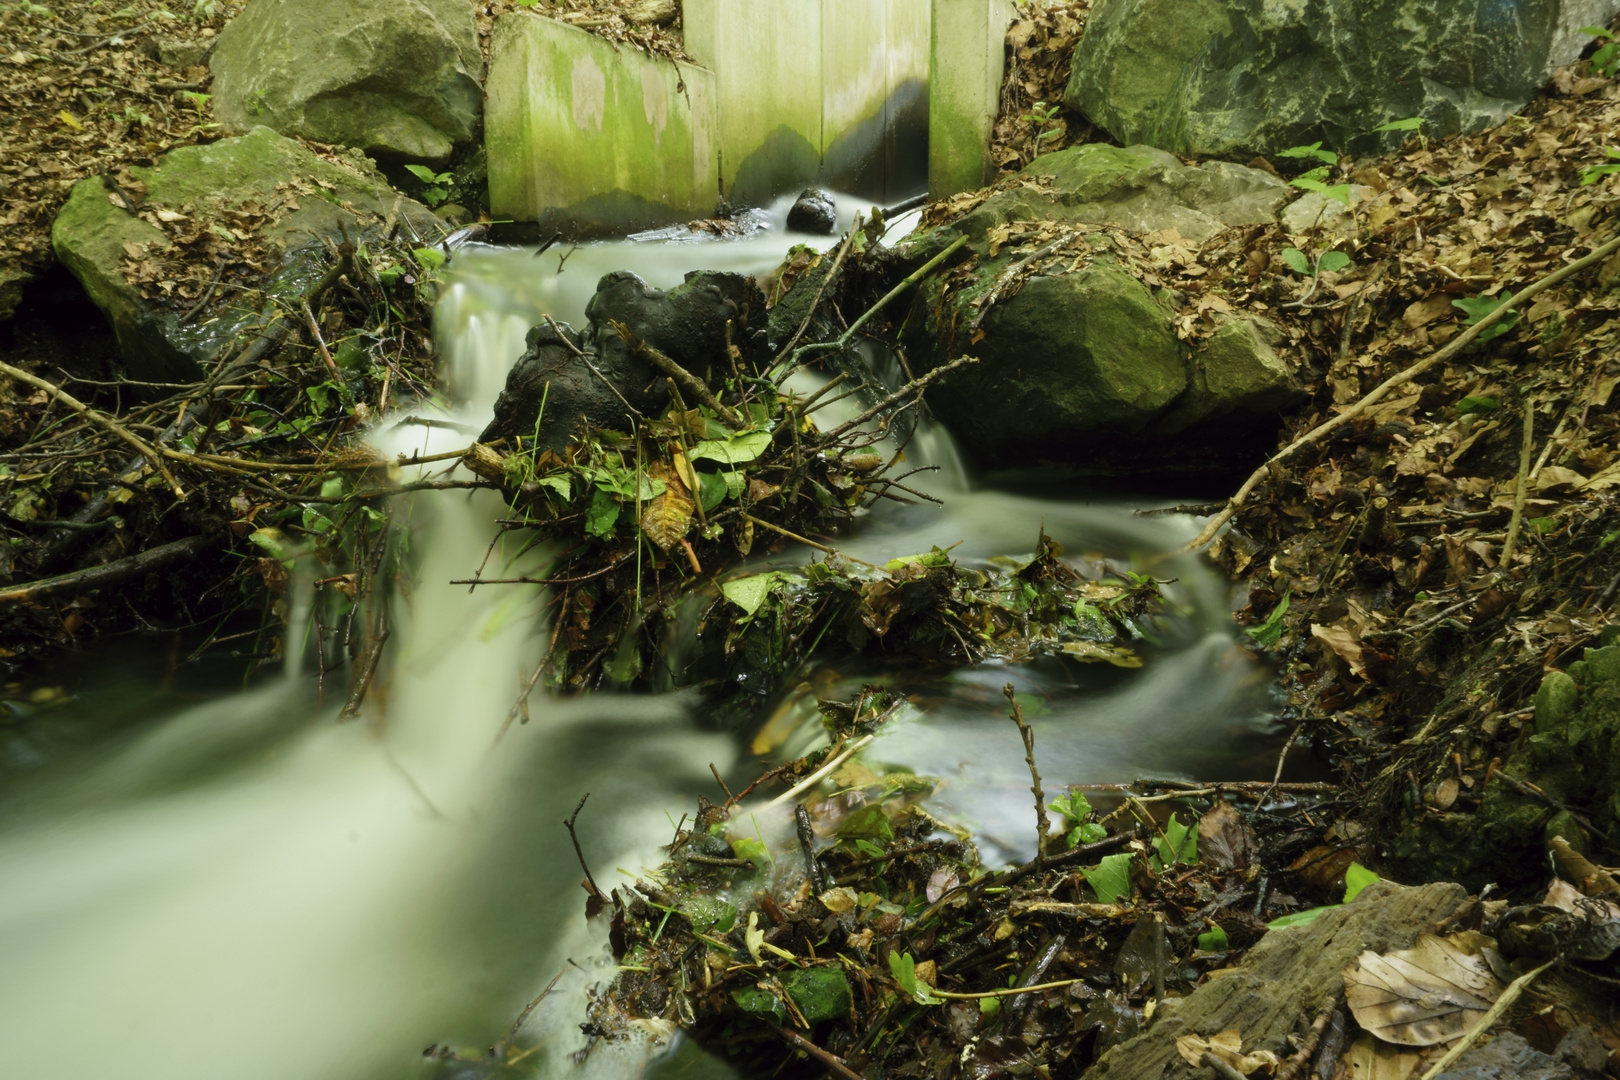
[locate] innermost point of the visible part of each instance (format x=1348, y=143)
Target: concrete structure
x=968, y=42
x=588, y=138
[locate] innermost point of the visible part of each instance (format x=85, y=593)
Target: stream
x=201, y=880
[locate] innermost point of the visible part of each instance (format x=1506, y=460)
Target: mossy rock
x=1574, y=757
x=309, y=200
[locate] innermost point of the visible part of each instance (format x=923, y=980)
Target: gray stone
x=1243, y=77
x=687, y=323
x=1083, y=366
x=813, y=212
x=1068, y=365
x=1556, y=701
x=1284, y=980
x=1237, y=371
x=401, y=78
x=1313, y=212
x=92, y=236
x=180, y=53
x=1507, y=1057
x=1138, y=188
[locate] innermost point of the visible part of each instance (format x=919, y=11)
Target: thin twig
x=1492, y=1015
x=1043, y=825
x=815, y=300
x=1520, y=489
x=586, y=360
x=669, y=367
x=574, y=836
x=834, y=1063
x=915, y=387
x=1379, y=392
x=809, y=543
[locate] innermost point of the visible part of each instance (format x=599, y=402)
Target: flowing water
x=202, y=881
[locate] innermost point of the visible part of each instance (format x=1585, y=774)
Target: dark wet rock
x=402, y=78
x=1285, y=979
x=814, y=212
x=1573, y=756
x=692, y=324
x=1244, y=77
x=1510, y=1057
x=94, y=237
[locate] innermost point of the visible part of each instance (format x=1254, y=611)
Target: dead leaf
x=1226, y=1047
x=1344, y=642
x=1426, y=311
x=1370, y=1059
x=1430, y=993
x=1224, y=839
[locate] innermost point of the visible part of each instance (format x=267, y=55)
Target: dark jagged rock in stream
x=1080, y=362
x=1243, y=77
x=692, y=324
x=814, y=212
x=1579, y=1054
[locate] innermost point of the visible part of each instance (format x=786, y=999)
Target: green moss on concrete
x=569, y=119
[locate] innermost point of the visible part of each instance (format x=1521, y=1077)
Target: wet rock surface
x=401, y=78
x=1255, y=77
x=813, y=212
x=692, y=324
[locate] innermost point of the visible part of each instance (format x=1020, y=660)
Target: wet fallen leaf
x=1430, y=993
x=1226, y=1047
x=1224, y=839
x=1344, y=642
x=1370, y=1059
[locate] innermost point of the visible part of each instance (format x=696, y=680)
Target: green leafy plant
x=1214, y=940
x=195, y=99
x=1356, y=878
x=1606, y=61
x=904, y=970
x=1042, y=117
x=436, y=185
x=1477, y=307
x=1473, y=404
x=1300, y=263
x=1110, y=879
x=1316, y=180
x=1267, y=634
x=1178, y=846
x=1077, y=823
x=1598, y=172
x=1313, y=152
x=1411, y=123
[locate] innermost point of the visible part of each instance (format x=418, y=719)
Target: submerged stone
x=402, y=78
x=814, y=212
x=1243, y=77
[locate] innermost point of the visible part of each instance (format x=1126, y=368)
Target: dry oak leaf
x=1430, y=993
x=1226, y=1047
x=1343, y=641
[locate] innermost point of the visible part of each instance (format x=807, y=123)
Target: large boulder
x=1245, y=77
x=1136, y=187
x=396, y=78
x=593, y=377
x=253, y=198
x=1080, y=363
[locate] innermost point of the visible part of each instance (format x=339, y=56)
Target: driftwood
x=111, y=573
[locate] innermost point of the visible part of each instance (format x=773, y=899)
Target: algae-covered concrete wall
x=969, y=47
x=588, y=138
x=829, y=91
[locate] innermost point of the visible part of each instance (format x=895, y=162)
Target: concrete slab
x=969, y=45
x=590, y=139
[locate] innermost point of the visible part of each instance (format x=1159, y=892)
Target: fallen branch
x=108, y=573
x=821, y=287
x=1043, y=825
x=916, y=386
x=1379, y=392
x=723, y=413
x=149, y=452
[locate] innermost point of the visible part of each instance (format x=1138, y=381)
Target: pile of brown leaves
x=84, y=91
x=1039, y=47
x=653, y=26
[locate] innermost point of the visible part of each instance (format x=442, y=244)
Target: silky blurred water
x=231, y=883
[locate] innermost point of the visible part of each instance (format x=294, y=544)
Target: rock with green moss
x=1243, y=77
x=400, y=78
x=297, y=200
x=1573, y=758
x=1081, y=365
